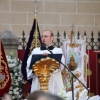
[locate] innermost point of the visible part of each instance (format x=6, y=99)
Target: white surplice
x=56, y=81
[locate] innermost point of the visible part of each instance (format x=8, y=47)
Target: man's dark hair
x=38, y=94
x=53, y=97
x=35, y=95
x=50, y=32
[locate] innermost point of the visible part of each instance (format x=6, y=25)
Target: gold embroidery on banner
x=35, y=42
x=85, y=63
x=4, y=75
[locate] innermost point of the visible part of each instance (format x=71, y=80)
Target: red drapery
x=94, y=79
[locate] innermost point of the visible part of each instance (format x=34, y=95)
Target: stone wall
x=56, y=15
x=10, y=42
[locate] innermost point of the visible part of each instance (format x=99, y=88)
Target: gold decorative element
x=89, y=72
x=77, y=74
x=91, y=94
x=65, y=73
x=36, y=42
x=43, y=70
x=77, y=95
x=85, y=67
x=4, y=75
x=5, y=79
x=80, y=87
x=73, y=45
x=0, y=58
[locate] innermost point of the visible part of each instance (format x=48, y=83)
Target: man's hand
x=45, y=54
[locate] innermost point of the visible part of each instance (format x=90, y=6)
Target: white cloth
x=56, y=82
x=97, y=97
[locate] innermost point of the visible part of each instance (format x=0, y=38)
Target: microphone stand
x=73, y=76
x=72, y=85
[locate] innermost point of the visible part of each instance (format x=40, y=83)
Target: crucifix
x=72, y=26
x=72, y=37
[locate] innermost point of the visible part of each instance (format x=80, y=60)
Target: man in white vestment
x=56, y=82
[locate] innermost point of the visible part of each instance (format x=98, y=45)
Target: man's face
x=47, y=38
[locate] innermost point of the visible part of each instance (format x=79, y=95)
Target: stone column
x=10, y=42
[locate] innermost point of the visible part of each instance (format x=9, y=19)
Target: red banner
x=5, y=79
x=94, y=78
x=27, y=85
